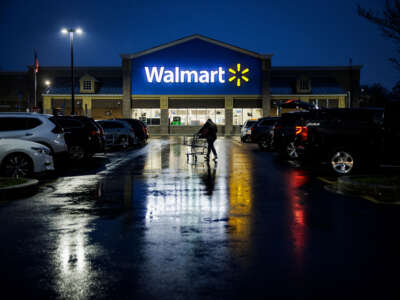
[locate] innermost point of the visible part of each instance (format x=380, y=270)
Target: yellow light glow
x=245, y=71
x=232, y=78
x=245, y=78
x=238, y=67
x=232, y=71
x=238, y=82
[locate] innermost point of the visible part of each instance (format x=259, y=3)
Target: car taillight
x=278, y=127
x=93, y=132
x=302, y=131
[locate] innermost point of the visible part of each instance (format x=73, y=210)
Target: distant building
x=177, y=86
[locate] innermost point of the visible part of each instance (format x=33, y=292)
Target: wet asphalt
x=147, y=224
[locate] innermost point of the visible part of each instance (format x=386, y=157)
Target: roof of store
x=193, y=37
x=319, y=86
x=104, y=86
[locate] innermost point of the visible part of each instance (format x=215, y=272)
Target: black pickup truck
x=350, y=138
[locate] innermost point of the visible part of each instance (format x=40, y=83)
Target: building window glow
x=150, y=116
x=241, y=115
x=196, y=116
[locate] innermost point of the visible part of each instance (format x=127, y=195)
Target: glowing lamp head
x=79, y=31
x=64, y=31
x=47, y=82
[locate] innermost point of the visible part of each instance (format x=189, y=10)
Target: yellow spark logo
x=238, y=75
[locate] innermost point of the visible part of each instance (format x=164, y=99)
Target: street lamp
x=47, y=83
x=71, y=32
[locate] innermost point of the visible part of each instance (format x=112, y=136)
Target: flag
x=36, y=64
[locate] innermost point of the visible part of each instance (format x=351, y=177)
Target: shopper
x=209, y=132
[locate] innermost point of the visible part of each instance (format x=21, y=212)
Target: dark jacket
x=209, y=130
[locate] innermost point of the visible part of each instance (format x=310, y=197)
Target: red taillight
x=251, y=128
x=94, y=132
x=278, y=127
x=302, y=131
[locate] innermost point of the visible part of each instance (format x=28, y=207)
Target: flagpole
x=35, y=69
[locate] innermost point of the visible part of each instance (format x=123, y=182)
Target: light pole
x=71, y=32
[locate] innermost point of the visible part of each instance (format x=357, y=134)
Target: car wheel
x=76, y=152
x=291, y=151
x=264, y=143
x=342, y=162
x=123, y=142
x=17, y=165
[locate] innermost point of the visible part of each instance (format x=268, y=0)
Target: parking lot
x=145, y=223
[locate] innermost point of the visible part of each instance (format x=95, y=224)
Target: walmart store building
x=176, y=87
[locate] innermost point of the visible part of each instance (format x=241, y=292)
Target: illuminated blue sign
x=196, y=67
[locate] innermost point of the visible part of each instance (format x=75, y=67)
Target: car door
x=73, y=131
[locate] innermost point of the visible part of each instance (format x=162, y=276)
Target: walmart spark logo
x=238, y=75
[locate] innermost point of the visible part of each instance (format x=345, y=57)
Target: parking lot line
x=373, y=200
x=326, y=180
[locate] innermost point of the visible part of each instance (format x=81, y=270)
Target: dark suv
x=263, y=131
x=139, y=128
x=349, y=138
x=82, y=136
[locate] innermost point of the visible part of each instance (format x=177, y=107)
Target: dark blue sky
x=307, y=32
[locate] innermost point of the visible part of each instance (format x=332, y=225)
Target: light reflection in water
x=295, y=180
x=75, y=275
x=183, y=214
x=240, y=184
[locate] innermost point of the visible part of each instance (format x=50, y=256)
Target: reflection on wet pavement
x=153, y=225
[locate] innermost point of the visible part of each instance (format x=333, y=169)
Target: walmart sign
x=178, y=75
x=196, y=68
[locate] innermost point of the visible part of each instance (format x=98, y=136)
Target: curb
x=19, y=190
x=383, y=193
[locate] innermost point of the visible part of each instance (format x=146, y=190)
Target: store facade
x=176, y=87
x=181, y=84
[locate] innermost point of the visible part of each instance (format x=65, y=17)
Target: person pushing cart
x=209, y=132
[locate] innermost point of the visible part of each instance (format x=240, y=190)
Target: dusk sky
x=297, y=33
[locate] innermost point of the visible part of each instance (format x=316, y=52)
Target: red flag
x=36, y=63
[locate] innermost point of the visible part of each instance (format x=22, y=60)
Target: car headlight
x=41, y=150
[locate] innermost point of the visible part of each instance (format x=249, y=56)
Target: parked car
x=118, y=133
x=34, y=127
x=245, y=131
x=285, y=132
x=139, y=128
x=83, y=136
x=20, y=158
x=263, y=131
x=347, y=139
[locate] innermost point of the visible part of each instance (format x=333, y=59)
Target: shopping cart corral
x=196, y=147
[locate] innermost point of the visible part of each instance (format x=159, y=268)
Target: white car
x=19, y=158
x=39, y=128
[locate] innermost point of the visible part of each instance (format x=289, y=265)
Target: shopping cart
x=196, y=146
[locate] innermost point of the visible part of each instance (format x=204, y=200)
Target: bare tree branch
x=388, y=21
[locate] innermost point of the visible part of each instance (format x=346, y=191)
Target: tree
x=374, y=95
x=388, y=20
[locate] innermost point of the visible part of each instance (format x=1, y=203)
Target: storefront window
x=196, y=116
x=150, y=116
x=326, y=103
x=241, y=115
x=237, y=116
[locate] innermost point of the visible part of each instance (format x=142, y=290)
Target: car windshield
x=249, y=124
